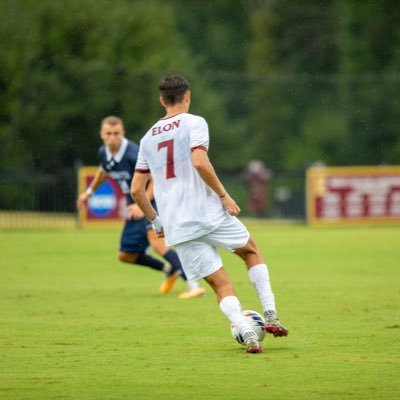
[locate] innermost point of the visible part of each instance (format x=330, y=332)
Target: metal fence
x=48, y=200
x=38, y=200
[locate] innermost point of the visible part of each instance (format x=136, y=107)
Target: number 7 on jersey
x=169, y=145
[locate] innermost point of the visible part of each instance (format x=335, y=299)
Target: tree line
x=289, y=83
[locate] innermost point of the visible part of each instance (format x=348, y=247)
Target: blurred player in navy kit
x=118, y=157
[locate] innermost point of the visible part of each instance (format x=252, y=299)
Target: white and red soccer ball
x=257, y=322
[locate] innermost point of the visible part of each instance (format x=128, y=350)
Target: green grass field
x=76, y=324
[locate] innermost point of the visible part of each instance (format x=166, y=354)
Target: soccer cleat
x=273, y=325
x=253, y=346
x=169, y=283
x=192, y=293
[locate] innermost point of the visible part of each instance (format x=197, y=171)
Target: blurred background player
x=196, y=212
x=118, y=157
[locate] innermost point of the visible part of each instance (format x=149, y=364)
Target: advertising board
x=107, y=206
x=346, y=195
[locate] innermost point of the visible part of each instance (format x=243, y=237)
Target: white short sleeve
x=141, y=163
x=199, y=137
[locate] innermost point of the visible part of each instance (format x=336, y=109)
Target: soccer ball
x=257, y=323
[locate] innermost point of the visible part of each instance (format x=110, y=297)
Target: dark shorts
x=134, y=237
x=147, y=224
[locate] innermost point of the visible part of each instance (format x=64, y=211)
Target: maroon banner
x=353, y=194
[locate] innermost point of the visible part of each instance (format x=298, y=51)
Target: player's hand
x=134, y=212
x=156, y=224
x=230, y=205
x=82, y=200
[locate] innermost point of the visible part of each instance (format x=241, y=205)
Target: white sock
x=259, y=277
x=231, y=307
x=193, y=284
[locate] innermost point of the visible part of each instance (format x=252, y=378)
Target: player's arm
x=149, y=189
x=138, y=191
x=134, y=211
x=100, y=177
x=206, y=171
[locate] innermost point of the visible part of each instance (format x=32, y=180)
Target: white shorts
x=199, y=257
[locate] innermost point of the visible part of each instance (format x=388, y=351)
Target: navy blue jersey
x=121, y=166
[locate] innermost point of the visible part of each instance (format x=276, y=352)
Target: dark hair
x=172, y=88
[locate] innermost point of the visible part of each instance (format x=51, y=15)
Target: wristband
x=89, y=191
x=156, y=224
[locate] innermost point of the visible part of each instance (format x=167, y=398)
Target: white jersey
x=188, y=208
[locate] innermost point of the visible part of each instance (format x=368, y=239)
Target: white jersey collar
x=120, y=152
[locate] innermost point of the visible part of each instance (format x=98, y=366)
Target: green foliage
x=369, y=55
x=321, y=101
x=284, y=82
x=74, y=71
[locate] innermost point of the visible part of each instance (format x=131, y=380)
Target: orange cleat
x=192, y=293
x=169, y=283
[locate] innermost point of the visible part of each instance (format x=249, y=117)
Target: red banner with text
x=353, y=195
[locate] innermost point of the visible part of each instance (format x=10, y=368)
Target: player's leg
x=259, y=276
x=141, y=259
x=158, y=245
x=258, y=273
x=201, y=260
x=133, y=245
x=231, y=307
x=233, y=235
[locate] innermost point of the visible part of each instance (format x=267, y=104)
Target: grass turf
x=76, y=324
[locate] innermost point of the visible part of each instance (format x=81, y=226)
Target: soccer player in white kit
x=196, y=214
